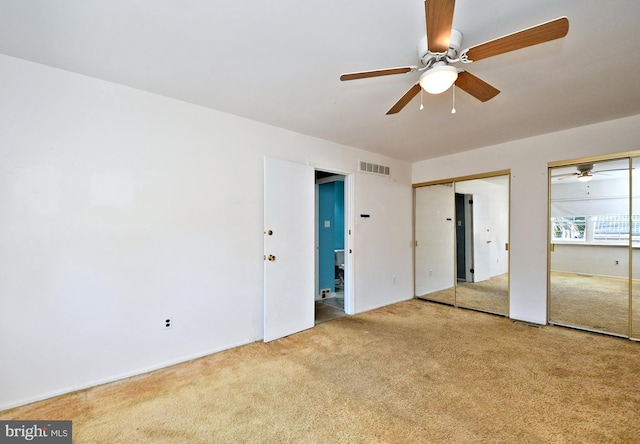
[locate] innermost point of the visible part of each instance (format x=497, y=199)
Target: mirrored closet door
x=635, y=248
x=434, y=243
x=592, y=229
x=461, y=243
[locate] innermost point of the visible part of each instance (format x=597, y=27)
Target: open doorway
x=331, y=245
x=461, y=238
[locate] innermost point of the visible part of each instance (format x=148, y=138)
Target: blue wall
x=331, y=209
x=339, y=215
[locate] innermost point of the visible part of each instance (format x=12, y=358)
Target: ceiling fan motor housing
x=426, y=57
x=587, y=167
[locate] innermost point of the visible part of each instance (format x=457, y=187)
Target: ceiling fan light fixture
x=585, y=176
x=439, y=78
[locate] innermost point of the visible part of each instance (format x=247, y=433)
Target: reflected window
x=615, y=228
x=607, y=228
x=569, y=228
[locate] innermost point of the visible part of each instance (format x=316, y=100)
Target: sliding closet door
x=635, y=257
x=590, y=246
x=482, y=221
x=461, y=243
x=434, y=243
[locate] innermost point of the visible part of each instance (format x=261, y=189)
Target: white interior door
x=481, y=239
x=289, y=199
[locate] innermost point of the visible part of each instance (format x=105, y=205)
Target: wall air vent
x=373, y=168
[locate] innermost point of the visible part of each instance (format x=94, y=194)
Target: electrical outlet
x=168, y=323
x=325, y=292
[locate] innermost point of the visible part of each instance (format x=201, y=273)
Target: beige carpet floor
x=584, y=301
x=592, y=302
x=491, y=295
x=413, y=372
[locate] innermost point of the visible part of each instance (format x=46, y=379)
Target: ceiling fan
x=439, y=50
x=585, y=172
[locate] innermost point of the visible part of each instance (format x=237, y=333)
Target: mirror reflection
x=482, y=236
x=461, y=251
x=434, y=241
x=635, y=245
x=590, y=229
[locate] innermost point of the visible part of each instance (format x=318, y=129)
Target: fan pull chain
x=421, y=105
x=453, y=108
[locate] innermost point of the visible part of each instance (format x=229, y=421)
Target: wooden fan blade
x=439, y=18
x=478, y=88
x=564, y=176
x=415, y=89
x=377, y=73
x=542, y=33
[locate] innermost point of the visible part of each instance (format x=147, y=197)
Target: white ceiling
x=279, y=61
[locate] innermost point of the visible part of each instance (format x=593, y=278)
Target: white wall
x=597, y=260
x=597, y=197
x=119, y=208
x=527, y=159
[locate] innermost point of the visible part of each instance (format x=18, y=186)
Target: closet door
x=590, y=246
x=635, y=248
x=483, y=236
x=461, y=243
x=434, y=243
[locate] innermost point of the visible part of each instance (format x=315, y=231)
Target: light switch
x=327, y=224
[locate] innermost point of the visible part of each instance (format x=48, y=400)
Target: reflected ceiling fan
x=439, y=50
x=585, y=172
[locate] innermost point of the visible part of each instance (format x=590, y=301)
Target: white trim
x=349, y=218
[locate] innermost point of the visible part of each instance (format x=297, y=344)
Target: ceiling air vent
x=373, y=168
